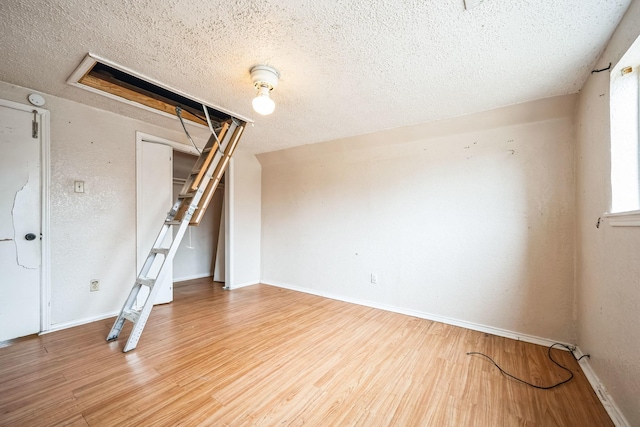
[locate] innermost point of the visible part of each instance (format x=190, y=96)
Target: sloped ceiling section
x=347, y=68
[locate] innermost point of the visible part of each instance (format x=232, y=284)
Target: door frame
x=45, y=219
x=228, y=199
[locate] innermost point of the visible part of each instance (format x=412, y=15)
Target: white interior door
x=154, y=199
x=20, y=224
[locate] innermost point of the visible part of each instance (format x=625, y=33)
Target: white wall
x=469, y=218
x=244, y=182
x=608, y=267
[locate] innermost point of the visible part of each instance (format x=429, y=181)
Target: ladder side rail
x=175, y=243
x=197, y=171
x=181, y=206
x=138, y=327
x=135, y=290
x=212, y=169
x=231, y=146
x=202, y=163
x=196, y=206
x=174, y=210
x=219, y=170
x=229, y=150
x=173, y=249
x=161, y=235
x=206, y=158
x=119, y=323
x=146, y=266
x=230, y=130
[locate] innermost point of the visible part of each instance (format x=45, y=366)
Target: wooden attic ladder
x=188, y=209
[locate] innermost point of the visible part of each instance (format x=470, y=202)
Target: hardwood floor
x=267, y=356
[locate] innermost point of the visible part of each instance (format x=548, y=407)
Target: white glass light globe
x=263, y=104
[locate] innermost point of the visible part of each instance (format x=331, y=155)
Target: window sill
x=623, y=219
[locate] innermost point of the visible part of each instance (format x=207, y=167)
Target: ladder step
x=146, y=281
x=171, y=222
x=163, y=251
x=187, y=195
x=131, y=314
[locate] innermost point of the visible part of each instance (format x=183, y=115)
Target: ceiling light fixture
x=265, y=79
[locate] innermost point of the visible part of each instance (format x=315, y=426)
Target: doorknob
x=30, y=236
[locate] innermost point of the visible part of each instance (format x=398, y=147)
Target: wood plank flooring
x=266, y=356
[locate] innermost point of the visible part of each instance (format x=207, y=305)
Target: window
x=625, y=122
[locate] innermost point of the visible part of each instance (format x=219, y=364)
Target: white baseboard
x=609, y=405
x=242, y=285
x=78, y=322
x=423, y=315
x=191, y=277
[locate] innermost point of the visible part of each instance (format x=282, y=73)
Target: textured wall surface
x=93, y=234
x=468, y=218
x=608, y=258
x=348, y=67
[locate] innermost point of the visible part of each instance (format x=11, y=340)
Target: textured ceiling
x=347, y=67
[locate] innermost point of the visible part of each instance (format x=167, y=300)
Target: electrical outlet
x=78, y=186
x=94, y=285
x=374, y=278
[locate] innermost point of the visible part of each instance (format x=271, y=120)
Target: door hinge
x=34, y=125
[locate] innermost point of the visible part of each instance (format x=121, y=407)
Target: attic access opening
x=108, y=79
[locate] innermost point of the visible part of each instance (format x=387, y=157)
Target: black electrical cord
x=528, y=383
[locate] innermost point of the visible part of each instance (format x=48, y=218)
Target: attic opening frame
x=106, y=78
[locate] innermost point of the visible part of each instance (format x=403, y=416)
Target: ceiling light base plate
x=264, y=74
